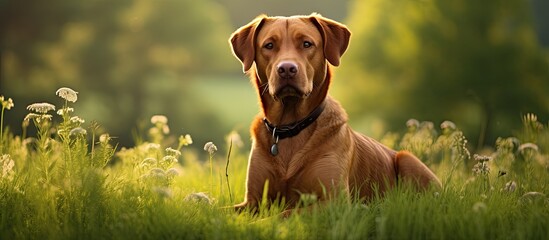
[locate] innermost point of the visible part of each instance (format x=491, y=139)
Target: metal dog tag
x=274, y=149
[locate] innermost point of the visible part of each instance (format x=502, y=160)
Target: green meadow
x=71, y=180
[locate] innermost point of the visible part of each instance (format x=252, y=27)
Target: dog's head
x=290, y=53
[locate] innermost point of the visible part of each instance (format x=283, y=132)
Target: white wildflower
x=481, y=168
x=37, y=117
x=199, y=197
x=67, y=94
x=157, y=173
x=78, y=131
x=481, y=158
x=62, y=132
x=165, y=129
x=533, y=198
x=427, y=125
x=448, y=125
x=77, y=119
x=159, y=119
x=412, y=124
x=31, y=116
x=46, y=117
x=525, y=146
x=163, y=192
x=511, y=186
x=104, y=138
x=173, y=152
x=172, y=172
x=169, y=159
x=41, y=107
x=64, y=111
x=152, y=146
x=210, y=148
x=7, y=165
x=147, y=162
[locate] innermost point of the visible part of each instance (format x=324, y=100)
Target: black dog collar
x=290, y=130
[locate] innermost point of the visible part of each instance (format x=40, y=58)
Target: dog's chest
x=290, y=158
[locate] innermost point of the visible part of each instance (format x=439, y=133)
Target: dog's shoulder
x=334, y=113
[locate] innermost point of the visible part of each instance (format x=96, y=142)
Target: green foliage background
x=477, y=63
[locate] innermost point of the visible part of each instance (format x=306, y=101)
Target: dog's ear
x=336, y=37
x=243, y=42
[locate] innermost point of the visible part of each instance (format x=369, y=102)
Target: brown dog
x=301, y=140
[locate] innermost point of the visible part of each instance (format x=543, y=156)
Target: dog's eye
x=307, y=44
x=269, y=46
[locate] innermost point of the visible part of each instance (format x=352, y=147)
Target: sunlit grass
x=72, y=181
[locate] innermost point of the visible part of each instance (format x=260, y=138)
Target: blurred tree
x=130, y=58
x=541, y=17
x=477, y=63
x=243, y=11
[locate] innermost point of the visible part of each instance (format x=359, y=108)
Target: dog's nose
x=287, y=69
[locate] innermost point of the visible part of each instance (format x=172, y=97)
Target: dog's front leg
x=260, y=175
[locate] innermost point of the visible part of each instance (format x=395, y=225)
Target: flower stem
x=211, y=175
x=2, y=131
x=227, y=170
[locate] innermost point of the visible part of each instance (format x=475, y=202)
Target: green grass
x=67, y=184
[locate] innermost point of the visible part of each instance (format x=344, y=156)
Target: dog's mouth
x=289, y=91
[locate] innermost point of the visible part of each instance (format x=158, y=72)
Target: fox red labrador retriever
x=301, y=140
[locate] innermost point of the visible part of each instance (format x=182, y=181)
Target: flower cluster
x=67, y=94
x=7, y=165
x=160, y=172
x=185, y=140
x=481, y=168
x=42, y=108
x=159, y=129
x=6, y=104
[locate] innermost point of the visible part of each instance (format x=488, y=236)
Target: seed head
x=448, y=125
x=210, y=148
x=526, y=146
x=412, y=124
x=67, y=94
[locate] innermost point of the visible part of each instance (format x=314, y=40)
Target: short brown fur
x=327, y=157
